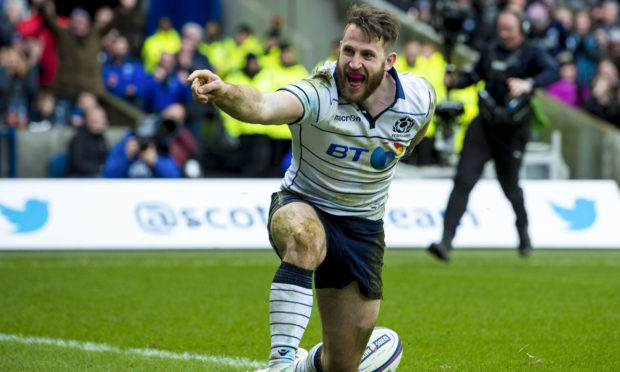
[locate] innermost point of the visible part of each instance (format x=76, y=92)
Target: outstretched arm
x=244, y=102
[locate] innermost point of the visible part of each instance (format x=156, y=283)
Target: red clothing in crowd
x=34, y=27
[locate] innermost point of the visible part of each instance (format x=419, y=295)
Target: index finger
x=204, y=74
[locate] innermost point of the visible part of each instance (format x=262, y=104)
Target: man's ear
x=389, y=61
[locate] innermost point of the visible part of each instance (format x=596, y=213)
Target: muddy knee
x=299, y=235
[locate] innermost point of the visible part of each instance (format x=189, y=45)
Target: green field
x=488, y=310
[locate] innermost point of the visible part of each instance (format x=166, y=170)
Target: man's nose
x=356, y=62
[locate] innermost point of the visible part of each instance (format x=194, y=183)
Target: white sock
x=311, y=363
x=290, y=306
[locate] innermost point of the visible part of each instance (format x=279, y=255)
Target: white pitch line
x=96, y=347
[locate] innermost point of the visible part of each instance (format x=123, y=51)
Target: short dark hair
x=376, y=24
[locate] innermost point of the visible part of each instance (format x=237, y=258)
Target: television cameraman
x=512, y=68
x=144, y=151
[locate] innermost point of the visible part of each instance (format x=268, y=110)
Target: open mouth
x=355, y=80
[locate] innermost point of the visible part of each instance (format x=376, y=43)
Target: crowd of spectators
x=584, y=36
x=54, y=70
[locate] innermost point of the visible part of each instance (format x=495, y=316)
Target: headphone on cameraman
x=524, y=23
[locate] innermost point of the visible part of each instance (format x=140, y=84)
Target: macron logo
x=347, y=118
x=579, y=217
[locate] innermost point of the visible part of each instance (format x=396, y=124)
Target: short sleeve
x=317, y=95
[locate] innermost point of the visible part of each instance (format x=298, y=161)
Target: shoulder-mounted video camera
x=153, y=129
x=513, y=113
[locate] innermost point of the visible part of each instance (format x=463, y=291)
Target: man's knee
x=299, y=235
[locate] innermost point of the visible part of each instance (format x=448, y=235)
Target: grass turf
x=488, y=310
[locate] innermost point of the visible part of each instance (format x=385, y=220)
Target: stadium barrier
x=8, y=152
x=232, y=213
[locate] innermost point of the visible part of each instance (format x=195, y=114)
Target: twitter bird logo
x=579, y=217
x=30, y=219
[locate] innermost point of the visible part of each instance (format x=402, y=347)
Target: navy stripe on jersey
x=410, y=113
x=357, y=135
x=301, y=127
x=303, y=91
x=334, y=191
x=341, y=166
x=346, y=181
x=318, y=100
x=300, y=101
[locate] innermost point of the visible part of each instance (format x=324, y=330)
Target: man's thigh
x=347, y=318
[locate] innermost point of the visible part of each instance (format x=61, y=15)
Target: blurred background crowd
x=62, y=63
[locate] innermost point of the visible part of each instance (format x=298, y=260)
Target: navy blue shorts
x=355, y=248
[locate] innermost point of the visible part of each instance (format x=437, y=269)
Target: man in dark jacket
x=511, y=68
x=88, y=148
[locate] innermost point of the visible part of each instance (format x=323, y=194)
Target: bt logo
x=379, y=158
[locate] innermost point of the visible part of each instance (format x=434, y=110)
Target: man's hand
x=449, y=79
x=206, y=85
x=132, y=147
x=519, y=86
x=149, y=156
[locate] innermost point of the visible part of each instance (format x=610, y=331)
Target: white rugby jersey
x=343, y=159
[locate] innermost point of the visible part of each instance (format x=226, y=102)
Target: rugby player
x=351, y=122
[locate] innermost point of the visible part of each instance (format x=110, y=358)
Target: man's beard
x=370, y=84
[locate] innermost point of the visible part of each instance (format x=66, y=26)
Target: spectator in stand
x=252, y=154
x=165, y=87
x=613, y=50
x=608, y=14
x=334, y=50
x=289, y=70
x=124, y=76
x=184, y=146
x=586, y=52
x=487, y=14
x=85, y=102
x=603, y=99
x=214, y=46
x=245, y=42
x=566, y=89
x=517, y=5
x=423, y=11
x=18, y=85
x=107, y=44
x=13, y=11
x=189, y=59
x=88, y=147
x=34, y=27
x=165, y=40
x=130, y=20
x=43, y=115
x=143, y=152
x=271, y=44
x=565, y=16
x=78, y=52
x=545, y=30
